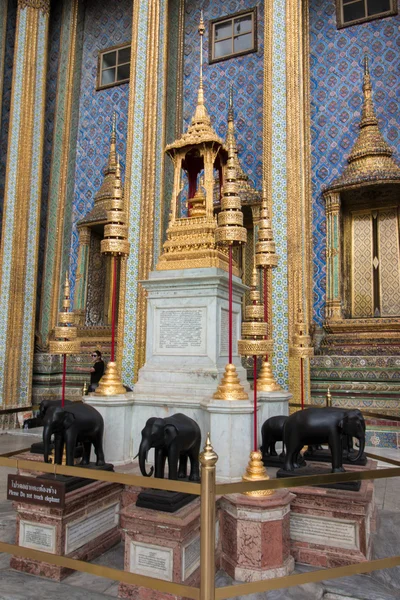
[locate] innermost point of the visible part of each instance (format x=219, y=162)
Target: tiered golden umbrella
x=230, y=232
x=267, y=259
x=302, y=347
x=255, y=343
x=116, y=245
x=66, y=334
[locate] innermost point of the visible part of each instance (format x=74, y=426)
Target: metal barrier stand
x=208, y=490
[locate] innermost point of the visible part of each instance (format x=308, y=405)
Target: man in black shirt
x=96, y=371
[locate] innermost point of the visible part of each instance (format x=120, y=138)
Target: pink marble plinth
x=162, y=545
x=332, y=528
x=84, y=529
x=255, y=536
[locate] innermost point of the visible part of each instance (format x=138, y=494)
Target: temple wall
x=106, y=24
x=244, y=72
x=336, y=72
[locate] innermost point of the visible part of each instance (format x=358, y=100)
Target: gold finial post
x=208, y=461
x=328, y=399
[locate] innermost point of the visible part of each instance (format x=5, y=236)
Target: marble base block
x=332, y=528
x=161, y=545
x=186, y=344
x=84, y=529
x=273, y=404
x=255, y=542
x=117, y=414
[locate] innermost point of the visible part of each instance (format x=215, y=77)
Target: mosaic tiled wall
x=51, y=94
x=336, y=58
x=106, y=24
x=244, y=72
x=5, y=100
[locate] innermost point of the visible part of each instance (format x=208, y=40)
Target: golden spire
x=265, y=247
x=230, y=230
x=301, y=346
x=112, y=154
x=66, y=341
x=371, y=157
x=200, y=129
x=115, y=242
x=254, y=328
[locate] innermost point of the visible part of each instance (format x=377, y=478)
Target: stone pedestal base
x=273, y=404
x=117, y=414
x=332, y=528
x=86, y=528
x=255, y=536
x=161, y=545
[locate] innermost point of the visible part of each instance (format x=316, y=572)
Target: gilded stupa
x=191, y=239
x=371, y=159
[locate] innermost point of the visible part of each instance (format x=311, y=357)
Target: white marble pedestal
x=186, y=354
x=117, y=414
x=273, y=404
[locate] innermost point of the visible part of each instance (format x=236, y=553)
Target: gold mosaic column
x=3, y=31
x=81, y=274
x=299, y=198
x=21, y=216
x=333, y=309
x=62, y=161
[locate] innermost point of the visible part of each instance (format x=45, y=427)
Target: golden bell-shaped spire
x=265, y=255
x=67, y=342
x=230, y=230
x=115, y=240
x=254, y=328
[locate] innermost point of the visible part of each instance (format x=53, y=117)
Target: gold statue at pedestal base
x=110, y=384
x=230, y=387
x=266, y=381
x=256, y=471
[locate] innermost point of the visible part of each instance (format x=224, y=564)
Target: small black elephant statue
x=272, y=432
x=45, y=404
x=175, y=438
x=73, y=423
x=314, y=426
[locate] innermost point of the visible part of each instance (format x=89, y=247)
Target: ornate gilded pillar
x=62, y=167
x=299, y=198
x=20, y=228
x=143, y=187
x=333, y=308
x=81, y=274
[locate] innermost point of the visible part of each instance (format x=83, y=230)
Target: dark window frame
x=211, y=29
x=340, y=24
x=100, y=70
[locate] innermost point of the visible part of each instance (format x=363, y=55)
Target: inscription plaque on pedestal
x=37, y=536
x=338, y=533
x=180, y=331
x=224, y=333
x=151, y=560
x=190, y=557
x=80, y=532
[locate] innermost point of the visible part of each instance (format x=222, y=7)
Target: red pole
x=113, y=307
x=63, y=380
x=230, y=305
x=302, y=383
x=255, y=401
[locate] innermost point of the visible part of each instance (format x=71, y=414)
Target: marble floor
x=380, y=585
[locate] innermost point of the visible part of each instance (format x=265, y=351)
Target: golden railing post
x=208, y=460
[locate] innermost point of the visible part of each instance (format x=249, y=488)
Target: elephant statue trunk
x=143, y=451
x=360, y=452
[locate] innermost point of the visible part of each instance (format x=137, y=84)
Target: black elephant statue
x=272, y=432
x=314, y=426
x=45, y=404
x=176, y=438
x=71, y=424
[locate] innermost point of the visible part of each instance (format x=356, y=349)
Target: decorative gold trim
x=146, y=235
x=128, y=175
x=60, y=215
x=43, y=5
x=179, y=80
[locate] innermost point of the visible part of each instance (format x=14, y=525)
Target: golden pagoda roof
x=370, y=161
x=111, y=182
x=200, y=130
